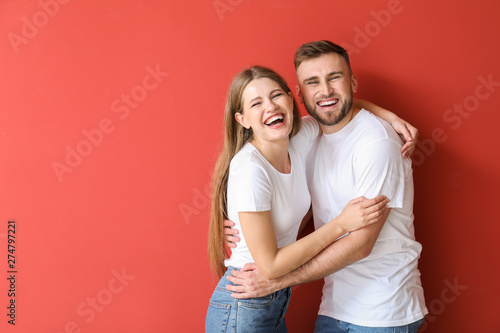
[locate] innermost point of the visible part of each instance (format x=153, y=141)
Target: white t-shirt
x=254, y=185
x=364, y=159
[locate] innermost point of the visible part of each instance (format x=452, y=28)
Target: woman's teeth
x=270, y=121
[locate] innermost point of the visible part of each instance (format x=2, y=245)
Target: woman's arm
x=273, y=262
x=405, y=129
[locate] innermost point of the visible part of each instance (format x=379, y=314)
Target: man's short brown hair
x=318, y=48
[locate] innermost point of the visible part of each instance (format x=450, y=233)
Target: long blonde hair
x=235, y=137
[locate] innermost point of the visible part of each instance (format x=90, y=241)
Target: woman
x=262, y=165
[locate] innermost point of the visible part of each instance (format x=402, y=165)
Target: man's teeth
x=270, y=120
x=327, y=103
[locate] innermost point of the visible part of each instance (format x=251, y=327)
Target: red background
x=136, y=204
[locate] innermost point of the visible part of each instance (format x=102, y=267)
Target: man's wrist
x=285, y=281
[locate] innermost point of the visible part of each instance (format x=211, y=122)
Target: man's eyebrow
x=336, y=73
x=310, y=79
x=329, y=74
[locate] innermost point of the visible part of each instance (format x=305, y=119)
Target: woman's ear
x=241, y=119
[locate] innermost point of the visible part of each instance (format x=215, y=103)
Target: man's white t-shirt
x=254, y=185
x=364, y=159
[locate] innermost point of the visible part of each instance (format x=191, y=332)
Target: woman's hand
x=361, y=212
x=409, y=134
x=402, y=127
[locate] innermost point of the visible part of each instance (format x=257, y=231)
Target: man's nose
x=325, y=89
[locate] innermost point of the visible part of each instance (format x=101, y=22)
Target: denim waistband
x=221, y=286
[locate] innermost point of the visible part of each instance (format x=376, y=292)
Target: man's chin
x=328, y=121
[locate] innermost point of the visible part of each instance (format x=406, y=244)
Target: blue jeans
x=262, y=314
x=326, y=324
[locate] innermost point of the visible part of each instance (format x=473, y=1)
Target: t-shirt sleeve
x=309, y=129
x=250, y=186
x=380, y=170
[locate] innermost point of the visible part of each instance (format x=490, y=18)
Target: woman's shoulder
x=248, y=158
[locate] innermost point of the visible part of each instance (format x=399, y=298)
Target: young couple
x=354, y=169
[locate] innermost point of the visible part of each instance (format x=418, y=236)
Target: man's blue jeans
x=261, y=314
x=326, y=324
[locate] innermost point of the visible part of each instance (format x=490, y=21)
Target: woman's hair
x=235, y=137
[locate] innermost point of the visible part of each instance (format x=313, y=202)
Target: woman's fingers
x=379, y=215
x=367, y=203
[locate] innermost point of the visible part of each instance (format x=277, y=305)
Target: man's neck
x=337, y=127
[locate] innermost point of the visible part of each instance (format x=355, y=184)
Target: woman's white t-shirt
x=254, y=185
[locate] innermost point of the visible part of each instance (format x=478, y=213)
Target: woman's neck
x=276, y=153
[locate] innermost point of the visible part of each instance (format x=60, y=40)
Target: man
x=376, y=283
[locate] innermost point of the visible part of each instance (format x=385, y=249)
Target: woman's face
x=267, y=110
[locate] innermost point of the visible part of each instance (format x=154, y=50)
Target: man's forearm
x=338, y=255
x=249, y=282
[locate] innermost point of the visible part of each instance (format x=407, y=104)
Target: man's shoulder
x=371, y=129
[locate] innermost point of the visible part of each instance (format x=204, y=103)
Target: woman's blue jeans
x=262, y=314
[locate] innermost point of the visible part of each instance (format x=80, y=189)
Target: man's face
x=325, y=86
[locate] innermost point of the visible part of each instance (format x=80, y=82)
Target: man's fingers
x=229, y=231
x=235, y=289
x=228, y=223
x=241, y=295
x=249, y=267
x=236, y=280
x=232, y=238
x=239, y=274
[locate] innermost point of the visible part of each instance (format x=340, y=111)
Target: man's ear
x=299, y=94
x=241, y=119
x=354, y=83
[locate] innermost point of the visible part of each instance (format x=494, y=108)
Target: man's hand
x=229, y=234
x=409, y=135
x=249, y=282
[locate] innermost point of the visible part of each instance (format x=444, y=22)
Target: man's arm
x=347, y=250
